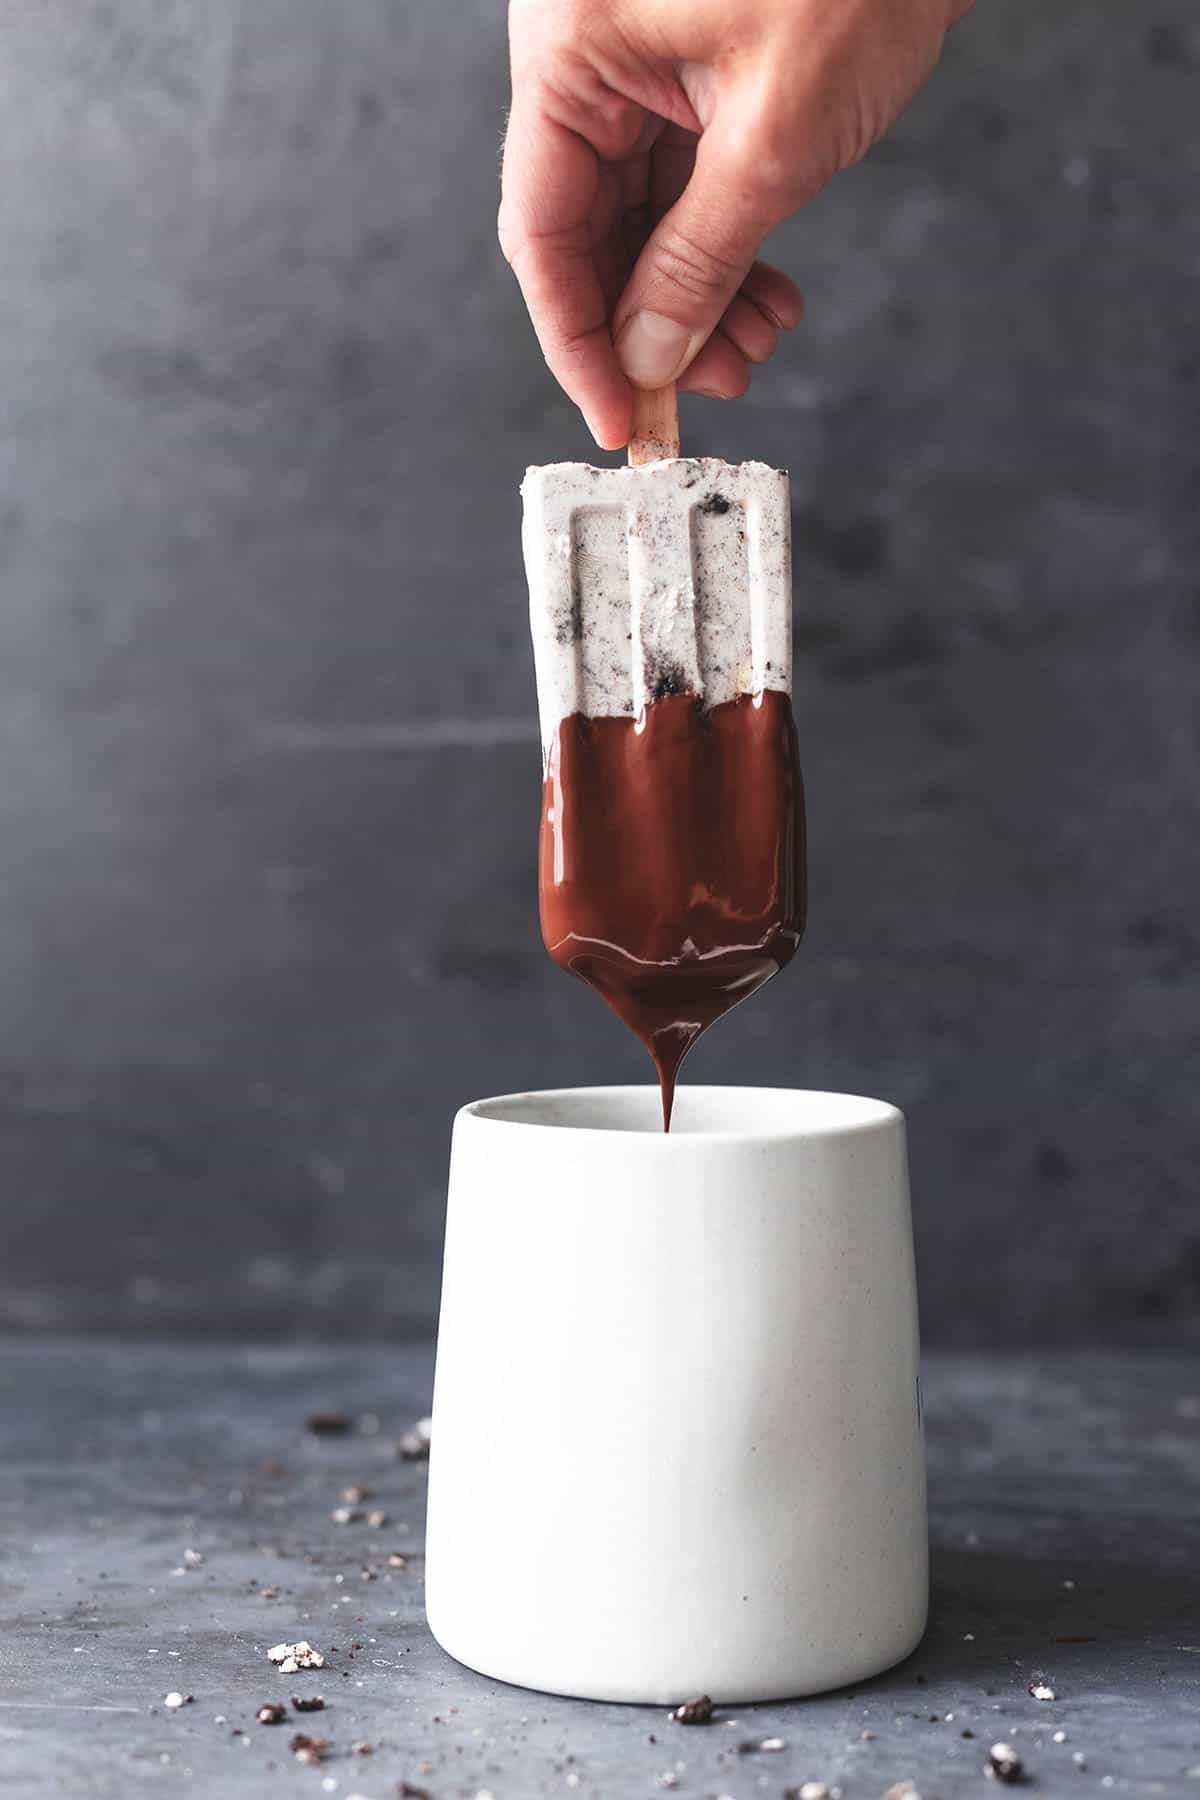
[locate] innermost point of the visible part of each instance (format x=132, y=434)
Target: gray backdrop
x=270, y=777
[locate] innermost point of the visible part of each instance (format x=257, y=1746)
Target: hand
x=653, y=144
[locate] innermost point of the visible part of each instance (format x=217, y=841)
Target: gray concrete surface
x=1064, y=1494
x=270, y=777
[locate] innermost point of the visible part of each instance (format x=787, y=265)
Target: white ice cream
x=672, y=577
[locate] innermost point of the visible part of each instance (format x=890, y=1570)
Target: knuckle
x=566, y=350
x=765, y=156
x=769, y=170
x=698, y=270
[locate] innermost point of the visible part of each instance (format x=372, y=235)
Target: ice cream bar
x=671, y=872
x=670, y=578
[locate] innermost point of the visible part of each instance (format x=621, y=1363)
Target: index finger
x=550, y=197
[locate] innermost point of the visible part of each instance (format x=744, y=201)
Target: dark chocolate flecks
x=668, y=678
x=569, y=630
x=714, y=503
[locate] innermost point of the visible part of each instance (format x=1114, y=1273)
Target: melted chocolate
x=672, y=861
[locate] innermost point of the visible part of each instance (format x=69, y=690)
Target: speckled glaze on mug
x=677, y=1439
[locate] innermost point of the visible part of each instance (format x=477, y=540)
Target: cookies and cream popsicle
x=671, y=864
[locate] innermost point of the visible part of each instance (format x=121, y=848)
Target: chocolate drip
x=671, y=866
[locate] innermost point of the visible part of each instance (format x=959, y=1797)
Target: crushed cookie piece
x=376, y=1519
x=345, y=1515
x=315, y=1704
x=271, y=1712
x=396, y=1561
x=694, y=1712
x=902, y=1790
x=292, y=1657
x=268, y=1593
x=408, y=1790
x=192, y=1559
x=1060, y=1737
x=174, y=1701
x=327, y=1423
x=808, y=1790
x=1003, y=1764
x=308, y=1749
x=354, y=1494
x=1040, y=1689
x=414, y=1445
x=360, y=1747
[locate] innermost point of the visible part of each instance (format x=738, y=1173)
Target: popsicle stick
x=655, y=424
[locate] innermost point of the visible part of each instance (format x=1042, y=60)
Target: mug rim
x=861, y=1115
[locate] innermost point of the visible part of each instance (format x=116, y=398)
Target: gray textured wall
x=267, y=906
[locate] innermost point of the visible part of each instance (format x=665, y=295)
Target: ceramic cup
x=677, y=1441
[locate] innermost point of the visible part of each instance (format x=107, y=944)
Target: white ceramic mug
x=677, y=1440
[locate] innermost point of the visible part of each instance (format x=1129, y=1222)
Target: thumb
x=693, y=264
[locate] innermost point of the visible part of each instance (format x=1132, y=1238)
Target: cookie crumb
x=291, y=1657
x=1040, y=1689
x=327, y=1423
x=1003, y=1764
x=694, y=1712
x=271, y=1712
x=308, y=1749
x=354, y=1495
x=174, y=1700
x=377, y=1519
x=345, y=1515
x=315, y=1704
x=414, y=1445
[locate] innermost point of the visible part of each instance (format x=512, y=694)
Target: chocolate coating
x=671, y=861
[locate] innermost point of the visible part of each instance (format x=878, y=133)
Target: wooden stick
x=655, y=425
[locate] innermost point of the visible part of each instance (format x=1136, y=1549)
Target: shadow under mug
x=677, y=1442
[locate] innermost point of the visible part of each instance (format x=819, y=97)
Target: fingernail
x=652, y=349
